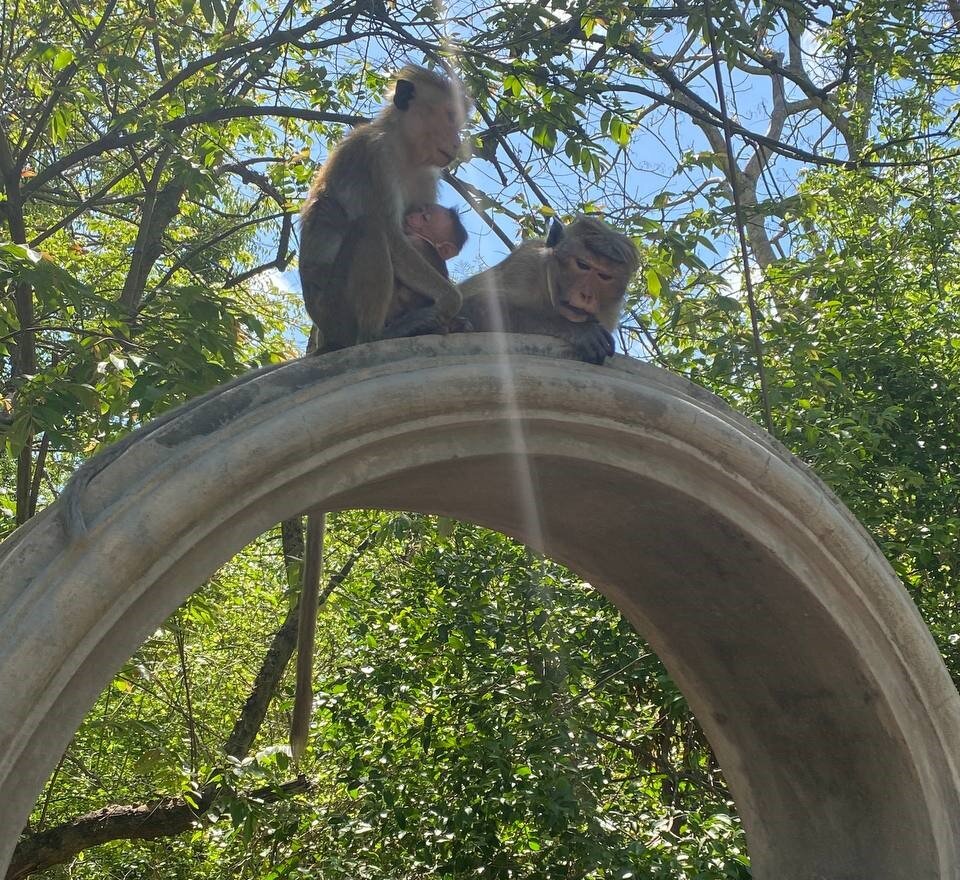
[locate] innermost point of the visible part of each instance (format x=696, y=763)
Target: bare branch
x=222, y=236
x=119, y=139
x=280, y=262
x=467, y=194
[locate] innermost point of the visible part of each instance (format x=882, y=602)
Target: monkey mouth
x=574, y=313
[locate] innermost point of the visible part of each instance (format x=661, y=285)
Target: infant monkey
x=438, y=234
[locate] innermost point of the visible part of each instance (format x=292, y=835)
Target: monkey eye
x=604, y=276
x=583, y=264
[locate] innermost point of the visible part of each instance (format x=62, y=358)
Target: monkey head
x=430, y=109
x=591, y=265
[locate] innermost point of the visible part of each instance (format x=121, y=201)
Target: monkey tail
x=307, y=631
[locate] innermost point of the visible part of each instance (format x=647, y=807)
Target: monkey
x=439, y=234
x=571, y=285
x=352, y=244
x=353, y=251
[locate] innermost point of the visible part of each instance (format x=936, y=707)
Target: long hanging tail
x=306, y=634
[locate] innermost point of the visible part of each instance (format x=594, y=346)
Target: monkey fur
x=570, y=285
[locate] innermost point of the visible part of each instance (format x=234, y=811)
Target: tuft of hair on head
x=415, y=75
x=605, y=241
x=459, y=230
x=445, y=83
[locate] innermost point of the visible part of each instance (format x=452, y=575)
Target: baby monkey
x=438, y=234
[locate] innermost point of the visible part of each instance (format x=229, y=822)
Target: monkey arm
x=592, y=341
x=414, y=271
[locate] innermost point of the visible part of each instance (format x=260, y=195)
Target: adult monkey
x=352, y=243
x=571, y=285
x=353, y=250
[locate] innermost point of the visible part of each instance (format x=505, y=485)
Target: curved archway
x=803, y=658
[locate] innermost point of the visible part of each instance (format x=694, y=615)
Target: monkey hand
x=593, y=342
x=416, y=323
x=459, y=324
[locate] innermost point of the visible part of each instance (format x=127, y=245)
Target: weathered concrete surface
x=801, y=654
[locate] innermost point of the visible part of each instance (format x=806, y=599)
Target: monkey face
x=586, y=283
x=432, y=127
x=441, y=132
x=435, y=225
x=432, y=109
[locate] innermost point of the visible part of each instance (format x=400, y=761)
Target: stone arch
x=802, y=656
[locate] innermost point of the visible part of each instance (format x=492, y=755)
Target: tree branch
x=118, y=138
x=161, y=818
x=280, y=262
x=164, y=817
x=59, y=83
x=240, y=50
x=468, y=196
x=221, y=236
x=159, y=208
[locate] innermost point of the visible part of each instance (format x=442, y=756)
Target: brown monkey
x=352, y=252
x=571, y=285
x=439, y=234
x=352, y=244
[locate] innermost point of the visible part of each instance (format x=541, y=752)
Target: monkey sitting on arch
x=571, y=285
x=352, y=243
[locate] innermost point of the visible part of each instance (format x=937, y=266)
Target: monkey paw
x=459, y=324
x=594, y=343
x=416, y=323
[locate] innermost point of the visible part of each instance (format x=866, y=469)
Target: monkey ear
x=403, y=94
x=447, y=250
x=555, y=234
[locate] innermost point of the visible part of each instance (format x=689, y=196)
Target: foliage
x=481, y=712
x=864, y=363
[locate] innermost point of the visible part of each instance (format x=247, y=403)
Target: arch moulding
x=801, y=654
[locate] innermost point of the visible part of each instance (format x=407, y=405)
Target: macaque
x=352, y=243
x=571, y=285
x=438, y=233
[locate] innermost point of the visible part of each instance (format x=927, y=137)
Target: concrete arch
x=805, y=661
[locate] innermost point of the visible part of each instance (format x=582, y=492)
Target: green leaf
x=62, y=59
x=620, y=132
x=86, y=394
x=654, y=285
x=19, y=434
